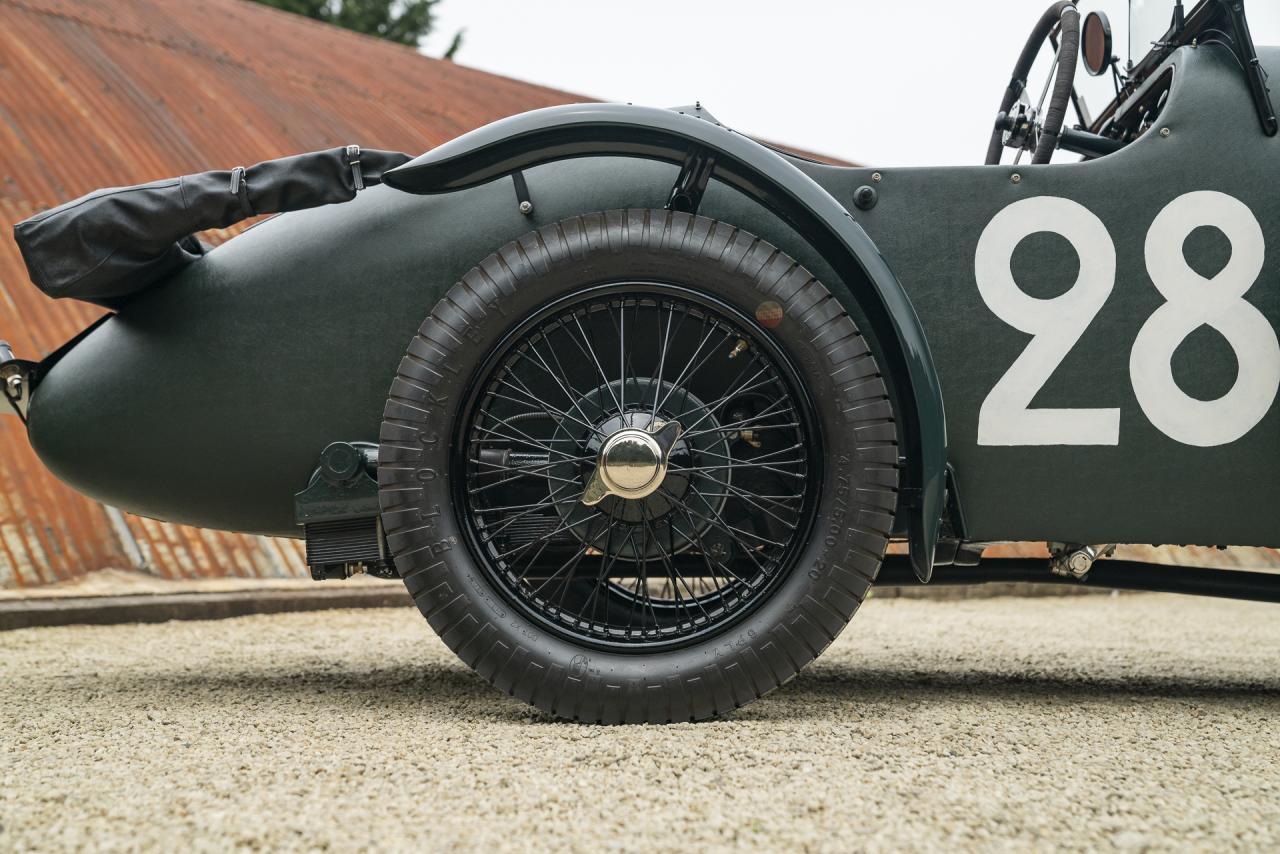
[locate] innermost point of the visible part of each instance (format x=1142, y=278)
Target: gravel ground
x=1086, y=722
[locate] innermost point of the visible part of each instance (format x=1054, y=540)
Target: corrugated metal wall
x=99, y=93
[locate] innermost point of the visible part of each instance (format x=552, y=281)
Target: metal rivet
x=526, y=208
x=875, y=176
x=1015, y=178
x=1164, y=131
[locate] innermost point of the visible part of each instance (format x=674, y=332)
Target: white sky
x=866, y=80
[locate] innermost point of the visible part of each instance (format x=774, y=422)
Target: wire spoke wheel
x=639, y=465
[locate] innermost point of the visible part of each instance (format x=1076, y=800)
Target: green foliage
x=454, y=44
x=402, y=21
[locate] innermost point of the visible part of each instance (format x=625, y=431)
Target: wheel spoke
x=560, y=380
x=736, y=533
x=657, y=566
x=512, y=507
x=624, y=358
x=607, y=560
x=572, y=563
x=755, y=459
x=662, y=357
x=686, y=379
x=790, y=425
x=726, y=571
x=569, y=564
x=510, y=520
x=677, y=578
x=679, y=379
x=590, y=353
x=746, y=465
x=783, y=501
x=749, y=498
x=476, y=490
x=740, y=390
x=770, y=410
x=542, y=404
x=547, y=536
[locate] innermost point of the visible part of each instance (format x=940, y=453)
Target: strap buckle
x=353, y=160
x=240, y=189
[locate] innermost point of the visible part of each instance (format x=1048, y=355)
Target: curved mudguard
x=587, y=130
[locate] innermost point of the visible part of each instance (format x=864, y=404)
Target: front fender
x=587, y=130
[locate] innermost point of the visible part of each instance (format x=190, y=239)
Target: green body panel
x=1148, y=488
x=209, y=399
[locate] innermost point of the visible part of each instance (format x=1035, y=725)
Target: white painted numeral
x=1192, y=301
x=1057, y=324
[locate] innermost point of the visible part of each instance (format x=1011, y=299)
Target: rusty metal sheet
x=98, y=93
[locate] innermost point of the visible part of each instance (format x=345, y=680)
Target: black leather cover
x=116, y=242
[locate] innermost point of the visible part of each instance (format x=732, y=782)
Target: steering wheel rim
x=1063, y=11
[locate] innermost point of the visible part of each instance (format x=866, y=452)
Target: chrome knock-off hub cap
x=632, y=462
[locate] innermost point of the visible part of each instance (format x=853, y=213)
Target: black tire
x=835, y=564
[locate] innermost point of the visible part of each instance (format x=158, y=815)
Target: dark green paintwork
x=1149, y=488
x=209, y=399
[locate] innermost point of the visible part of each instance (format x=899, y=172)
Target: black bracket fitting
x=695, y=174
x=339, y=514
x=16, y=381
x=523, y=201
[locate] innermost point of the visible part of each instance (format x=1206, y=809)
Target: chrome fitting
x=1074, y=560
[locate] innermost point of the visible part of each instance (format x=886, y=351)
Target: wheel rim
x=636, y=465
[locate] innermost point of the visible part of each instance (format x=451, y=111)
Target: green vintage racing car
x=636, y=404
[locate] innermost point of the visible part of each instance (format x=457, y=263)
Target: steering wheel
x=1021, y=128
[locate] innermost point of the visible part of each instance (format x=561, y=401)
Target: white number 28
x=1057, y=324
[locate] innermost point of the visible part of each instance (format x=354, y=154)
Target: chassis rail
x=1118, y=574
